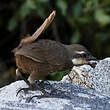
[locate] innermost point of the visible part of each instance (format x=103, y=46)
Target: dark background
x=77, y=21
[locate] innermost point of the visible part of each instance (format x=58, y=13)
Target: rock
x=72, y=97
x=97, y=78
x=100, y=77
x=67, y=96
x=79, y=75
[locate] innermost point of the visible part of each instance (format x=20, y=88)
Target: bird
x=39, y=58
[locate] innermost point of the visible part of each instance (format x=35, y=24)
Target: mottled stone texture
x=79, y=75
x=73, y=97
x=97, y=78
x=100, y=77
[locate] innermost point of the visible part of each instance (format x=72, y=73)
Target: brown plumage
x=42, y=57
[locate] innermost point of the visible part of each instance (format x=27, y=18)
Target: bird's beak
x=92, y=61
x=93, y=58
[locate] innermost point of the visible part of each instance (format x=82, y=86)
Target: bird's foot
x=41, y=86
x=36, y=86
x=25, y=90
x=55, y=93
x=49, y=95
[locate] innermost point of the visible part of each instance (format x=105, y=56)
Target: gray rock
x=97, y=78
x=79, y=75
x=100, y=77
x=72, y=97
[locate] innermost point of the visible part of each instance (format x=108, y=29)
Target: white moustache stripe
x=79, y=52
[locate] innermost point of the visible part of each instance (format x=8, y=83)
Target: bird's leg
x=55, y=93
x=45, y=93
x=33, y=85
x=36, y=85
x=19, y=75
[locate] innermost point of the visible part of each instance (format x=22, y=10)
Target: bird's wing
x=45, y=51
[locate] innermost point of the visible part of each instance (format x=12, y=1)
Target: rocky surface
x=72, y=97
x=79, y=75
x=67, y=96
x=100, y=77
x=97, y=78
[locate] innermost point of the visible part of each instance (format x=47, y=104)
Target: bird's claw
x=22, y=89
x=47, y=95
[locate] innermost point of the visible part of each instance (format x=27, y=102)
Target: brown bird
x=43, y=57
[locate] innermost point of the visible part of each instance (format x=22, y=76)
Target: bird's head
x=83, y=57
